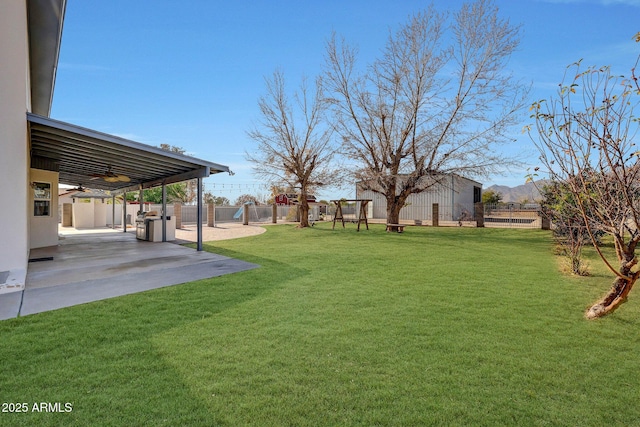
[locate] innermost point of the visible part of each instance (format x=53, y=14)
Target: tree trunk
x=393, y=213
x=303, y=210
x=616, y=296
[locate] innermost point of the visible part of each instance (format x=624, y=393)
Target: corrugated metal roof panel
x=82, y=155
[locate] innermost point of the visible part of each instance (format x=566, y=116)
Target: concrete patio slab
x=96, y=266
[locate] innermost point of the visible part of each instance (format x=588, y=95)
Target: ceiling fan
x=79, y=188
x=111, y=176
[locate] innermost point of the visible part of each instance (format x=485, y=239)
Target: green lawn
x=435, y=326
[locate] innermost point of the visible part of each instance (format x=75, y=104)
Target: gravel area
x=220, y=232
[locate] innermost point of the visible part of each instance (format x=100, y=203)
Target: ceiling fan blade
x=110, y=176
x=117, y=178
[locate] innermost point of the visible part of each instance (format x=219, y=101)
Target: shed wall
x=454, y=196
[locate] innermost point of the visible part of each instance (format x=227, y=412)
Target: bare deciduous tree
x=294, y=145
x=435, y=103
x=586, y=137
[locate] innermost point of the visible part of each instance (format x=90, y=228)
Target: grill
x=149, y=227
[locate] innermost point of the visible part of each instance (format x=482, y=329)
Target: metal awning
x=82, y=155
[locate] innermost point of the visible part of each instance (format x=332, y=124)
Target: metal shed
x=454, y=194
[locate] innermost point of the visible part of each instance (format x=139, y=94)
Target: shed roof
x=86, y=194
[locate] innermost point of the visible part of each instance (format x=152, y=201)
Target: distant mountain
x=517, y=194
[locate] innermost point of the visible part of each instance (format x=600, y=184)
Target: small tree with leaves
x=210, y=198
x=569, y=230
x=587, y=140
x=491, y=197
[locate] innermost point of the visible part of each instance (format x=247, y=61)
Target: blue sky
x=189, y=73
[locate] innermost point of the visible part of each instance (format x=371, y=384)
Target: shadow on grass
x=100, y=356
x=340, y=328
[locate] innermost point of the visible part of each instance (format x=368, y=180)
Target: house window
x=41, y=198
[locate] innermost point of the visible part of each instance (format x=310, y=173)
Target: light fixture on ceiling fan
x=110, y=176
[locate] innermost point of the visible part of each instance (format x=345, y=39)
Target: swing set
x=361, y=208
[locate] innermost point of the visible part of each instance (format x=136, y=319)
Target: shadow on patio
x=95, y=265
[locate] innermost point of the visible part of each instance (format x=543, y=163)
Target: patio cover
x=79, y=154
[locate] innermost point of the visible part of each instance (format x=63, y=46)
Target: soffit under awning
x=82, y=155
x=45, y=22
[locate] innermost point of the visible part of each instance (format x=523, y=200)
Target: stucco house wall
x=14, y=163
x=99, y=213
x=83, y=215
x=44, y=228
x=89, y=213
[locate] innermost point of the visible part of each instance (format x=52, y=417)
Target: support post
x=545, y=220
x=245, y=214
x=199, y=219
x=435, y=215
x=113, y=211
x=177, y=212
x=338, y=214
x=141, y=199
x=478, y=211
x=164, y=212
x=124, y=211
x=211, y=215
x=274, y=213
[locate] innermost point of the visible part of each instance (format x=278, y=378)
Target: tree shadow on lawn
x=515, y=234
